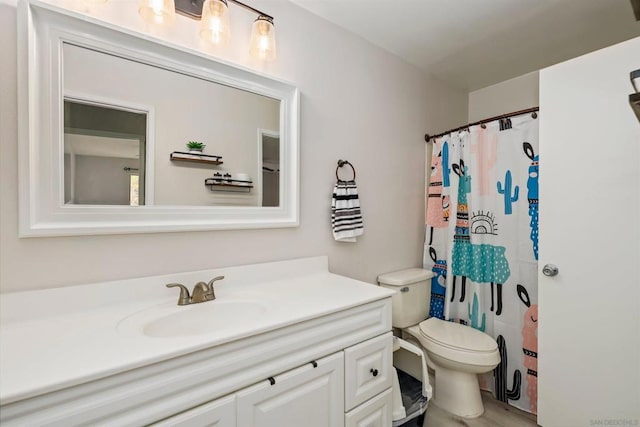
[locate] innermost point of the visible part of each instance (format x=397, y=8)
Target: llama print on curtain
x=485, y=157
x=437, y=285
x=437, y=221
x=530, y=346
x=532, y=194
x=436, y=210
x=485, y=256
x=481, y=263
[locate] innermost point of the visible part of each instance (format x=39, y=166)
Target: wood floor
x=496, y=414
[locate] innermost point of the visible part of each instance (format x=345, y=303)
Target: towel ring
x=341, y=163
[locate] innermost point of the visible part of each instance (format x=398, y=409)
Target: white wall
x=358, y=103
x=510, y=95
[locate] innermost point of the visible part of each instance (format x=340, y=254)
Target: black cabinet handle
x=374, y=372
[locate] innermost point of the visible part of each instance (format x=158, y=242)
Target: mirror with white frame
x=105, y=118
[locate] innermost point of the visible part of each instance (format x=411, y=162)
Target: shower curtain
x=482, y=244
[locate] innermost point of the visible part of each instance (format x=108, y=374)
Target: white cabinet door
x=219, y=413
x=375, y=412
x=368, y=369
x=303, y=397
x=589, y=328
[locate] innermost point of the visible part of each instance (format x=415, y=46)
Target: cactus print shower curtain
x=482, y=244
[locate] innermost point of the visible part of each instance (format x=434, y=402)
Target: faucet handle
x=184, y=297
x=212, y=293
x=214, y=280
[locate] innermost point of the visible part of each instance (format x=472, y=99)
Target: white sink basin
x=212, y=317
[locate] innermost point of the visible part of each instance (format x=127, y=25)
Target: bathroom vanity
x=283, y=344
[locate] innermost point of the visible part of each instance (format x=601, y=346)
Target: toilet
x=457, y=353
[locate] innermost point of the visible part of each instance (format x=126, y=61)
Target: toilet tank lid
x=405, y=277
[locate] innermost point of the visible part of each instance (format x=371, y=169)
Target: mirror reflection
x=270, y=168
x=104, y=155
x=128, y=126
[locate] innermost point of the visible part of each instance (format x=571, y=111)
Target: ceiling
x=476, y=43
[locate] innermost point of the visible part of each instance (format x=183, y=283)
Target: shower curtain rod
x=533, y=110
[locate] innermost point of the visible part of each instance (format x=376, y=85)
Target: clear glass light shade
x=214, y=25
x=263, y=39
x=157, y=11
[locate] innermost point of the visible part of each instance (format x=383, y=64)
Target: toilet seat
x=456, y=336
x=458, y=342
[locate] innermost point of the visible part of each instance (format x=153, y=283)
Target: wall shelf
x=228, y=185
x=182, y=156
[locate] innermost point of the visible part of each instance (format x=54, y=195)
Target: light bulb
x=263, y=39
x=215, y=27
x=157, y=11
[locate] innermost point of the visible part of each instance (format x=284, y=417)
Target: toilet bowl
x=457, y=353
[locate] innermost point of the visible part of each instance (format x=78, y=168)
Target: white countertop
x=57, y=338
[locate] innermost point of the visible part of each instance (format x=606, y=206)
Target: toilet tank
x=412, y=297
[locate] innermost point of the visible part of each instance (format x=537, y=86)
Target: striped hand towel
x=346, y=218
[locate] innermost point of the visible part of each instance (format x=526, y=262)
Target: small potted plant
x=195, y=147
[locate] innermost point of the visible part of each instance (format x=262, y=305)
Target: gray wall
x=102, y=180
x=358, y=103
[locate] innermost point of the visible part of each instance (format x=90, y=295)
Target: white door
x=307, y=396
x=218, y=413
x=589, y=330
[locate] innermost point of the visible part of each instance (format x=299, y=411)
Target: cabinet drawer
x=368, y=369
x=375, y=412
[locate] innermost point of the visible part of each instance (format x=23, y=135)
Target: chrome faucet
x=202, y=292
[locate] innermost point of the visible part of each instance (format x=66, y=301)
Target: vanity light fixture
x=263, y=39
x=214, y=26
x=157, y=11
x=214, y=23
